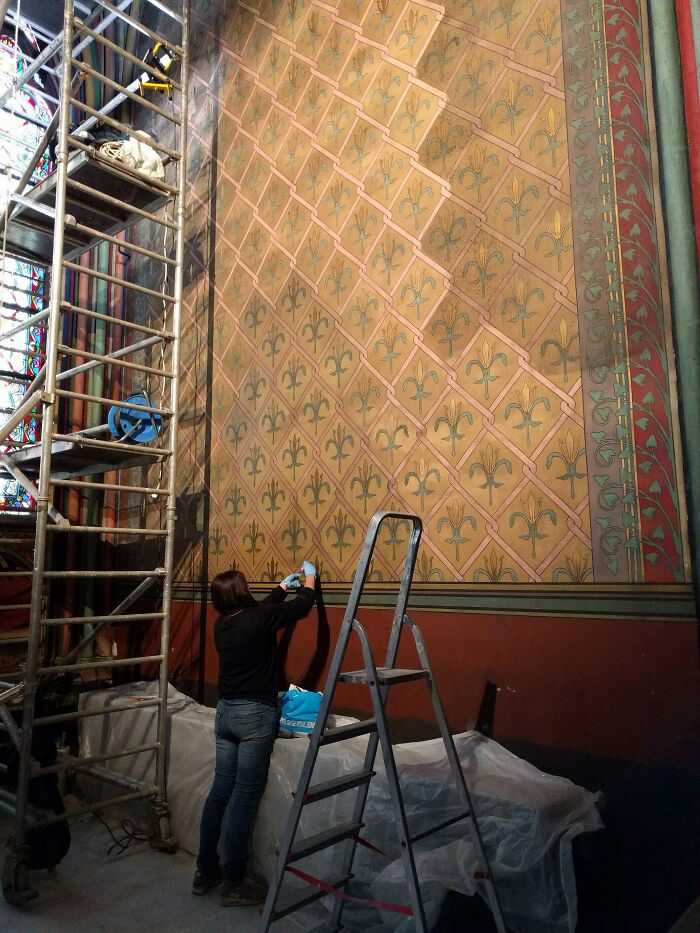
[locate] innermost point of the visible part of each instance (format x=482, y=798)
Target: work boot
x=205, y=881
x=246, y=893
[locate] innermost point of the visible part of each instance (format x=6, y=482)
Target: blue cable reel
x=131, y=425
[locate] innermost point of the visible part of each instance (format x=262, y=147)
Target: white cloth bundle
x=136, y=153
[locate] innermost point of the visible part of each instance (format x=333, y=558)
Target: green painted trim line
x=672, y=602
x=695, y=19
x=682, y=261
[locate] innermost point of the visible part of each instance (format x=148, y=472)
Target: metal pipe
x=123, y=605
x=102, y=711
x=110, y=445
x=71, y=763
x=171, y=509
x=116, y=487
x=36, y=383
x=74, y=309
x=112, y=777
x=119, y=50
x=118, y=125
x=10, y=725
x=115, y=280
x=91, y=432
x=98, y=665
x=91, y=808
x=51, y=128
x=46, y=439
x=144, y=29
x=164, y=9
x=115, y=359
x=131, y=247
x=51, y=50
x=32, y=319
x=11, y=693
x=124, y=92
x=114, y=403
x=108, y=199
x=33, y=205
x=68, y=574
x=23, y=480
x=107, y=530
x=111, y=619
x=21, y=412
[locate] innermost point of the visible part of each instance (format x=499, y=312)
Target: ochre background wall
x=401, y=246
x=425, y=270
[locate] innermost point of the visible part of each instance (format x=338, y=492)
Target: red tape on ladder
x=380, y=905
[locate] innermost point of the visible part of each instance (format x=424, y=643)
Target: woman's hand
x=291, y=582
x=308, y=570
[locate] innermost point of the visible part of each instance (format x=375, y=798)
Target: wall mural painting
x=434, y=282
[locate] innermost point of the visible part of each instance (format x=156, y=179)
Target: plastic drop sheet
x=527, y=818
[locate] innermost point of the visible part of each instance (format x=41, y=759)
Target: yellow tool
x=161, y=58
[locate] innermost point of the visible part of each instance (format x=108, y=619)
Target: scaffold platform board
x=30, y=232
x=76, y=458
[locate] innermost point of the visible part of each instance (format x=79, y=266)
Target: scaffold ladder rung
x=74, y=227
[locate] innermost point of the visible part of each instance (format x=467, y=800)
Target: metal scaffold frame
x=70, y=213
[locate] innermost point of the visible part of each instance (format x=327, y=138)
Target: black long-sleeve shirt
x=247, y=645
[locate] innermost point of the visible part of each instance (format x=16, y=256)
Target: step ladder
x=379, y=680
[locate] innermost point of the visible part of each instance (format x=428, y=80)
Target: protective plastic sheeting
x=527, y=818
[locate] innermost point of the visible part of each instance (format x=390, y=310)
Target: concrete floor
x=138, y=890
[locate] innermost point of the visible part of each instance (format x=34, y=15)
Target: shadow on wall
x=311, y=679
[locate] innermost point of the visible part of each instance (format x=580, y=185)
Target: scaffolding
x=105, y=439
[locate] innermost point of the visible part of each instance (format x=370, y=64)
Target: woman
x=246, y=723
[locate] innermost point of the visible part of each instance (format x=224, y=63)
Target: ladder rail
x=45, y=393
x=171, y=502
x=332, y=677
x=382, y=739
x=378, y=680
x=37, y=592
x=458, y=773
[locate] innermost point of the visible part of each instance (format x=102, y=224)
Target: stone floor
x=137, y=890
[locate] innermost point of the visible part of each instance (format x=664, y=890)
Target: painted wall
x=426, y=271
x=624, y=689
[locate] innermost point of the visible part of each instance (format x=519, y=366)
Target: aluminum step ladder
x=379, y=679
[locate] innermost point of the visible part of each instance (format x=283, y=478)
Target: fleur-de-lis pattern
x=399, y=211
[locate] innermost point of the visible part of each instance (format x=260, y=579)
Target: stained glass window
x=21, y=283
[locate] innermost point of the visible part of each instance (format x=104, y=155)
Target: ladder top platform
x=71, y=458
x=30, y=233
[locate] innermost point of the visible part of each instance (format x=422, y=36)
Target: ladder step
x=385, y=675
x=335, y=881
x=439, y=826
x=337, y=785
x=324, y=840
x=351, y=731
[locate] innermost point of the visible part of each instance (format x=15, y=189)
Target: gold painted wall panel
x=395, y=320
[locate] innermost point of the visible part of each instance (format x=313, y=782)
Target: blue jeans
x=245, y=735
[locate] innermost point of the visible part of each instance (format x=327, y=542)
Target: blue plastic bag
x=299, y=710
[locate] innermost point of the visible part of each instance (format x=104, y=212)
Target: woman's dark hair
x=229, y=592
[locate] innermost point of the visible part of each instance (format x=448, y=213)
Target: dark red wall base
x=615, y=688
